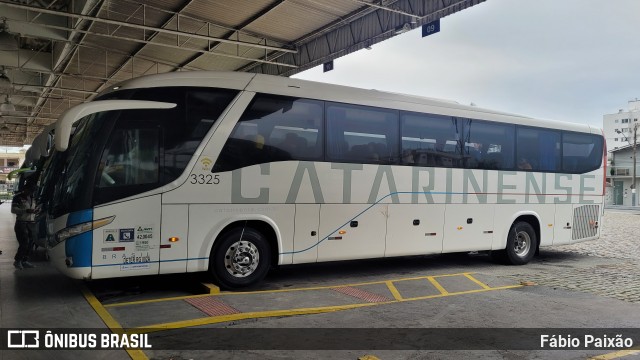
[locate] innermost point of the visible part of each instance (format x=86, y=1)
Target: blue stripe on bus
x=151, y=262
x=367, y=209
x=79, y=217
x=376, y=203
x=80, y=247
x=333, y=232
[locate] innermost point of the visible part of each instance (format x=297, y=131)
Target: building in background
x=618, y=127
x=621, y=133
x=620, y=176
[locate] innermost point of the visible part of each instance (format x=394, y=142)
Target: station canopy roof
x=55, y=54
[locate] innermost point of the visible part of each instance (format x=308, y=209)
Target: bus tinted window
x=182, y=138
x=130, y=158
x=186, y=125
x=274, y=128
x=430, y=140
x=538, y=149
x=488, y=145
x=581, y=152
x=362, y=134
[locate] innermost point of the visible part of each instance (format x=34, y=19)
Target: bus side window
x=488, y=145
x=293, y=145
x=362, y=134
x=539, y=147
x=274, y=128
x=581, y=152
x=429, y=138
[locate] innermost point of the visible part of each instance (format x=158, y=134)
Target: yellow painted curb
x=108, y=320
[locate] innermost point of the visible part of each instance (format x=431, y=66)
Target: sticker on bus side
x=126, y=235
x=110, y=235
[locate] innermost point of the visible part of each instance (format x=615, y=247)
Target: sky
x=567, y=60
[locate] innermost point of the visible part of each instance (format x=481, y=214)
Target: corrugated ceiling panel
x=123, y=11
x=225, y=12
x=159, y=70
x=253, y=53
x=279, y=21
x=288, y=21
x=121, y=76
x=337, y=8
x=111, y=43
x=193, y=26
x=171, y=5
x=213, y=62
x=141, y=66
x=151, y=13
x=173, y=56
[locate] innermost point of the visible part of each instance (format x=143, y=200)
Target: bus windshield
x=73, y=191
x=119, y=153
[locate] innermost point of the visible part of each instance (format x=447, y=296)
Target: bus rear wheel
x=522, y=243
x=240, y=258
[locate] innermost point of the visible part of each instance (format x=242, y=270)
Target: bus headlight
x=78, y=229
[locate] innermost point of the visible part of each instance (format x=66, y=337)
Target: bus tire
x=522, y=243
x=241, y=257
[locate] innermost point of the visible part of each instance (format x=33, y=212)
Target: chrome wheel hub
x=522, y=245
x=241, y=259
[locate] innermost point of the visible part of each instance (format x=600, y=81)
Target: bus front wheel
x=241, y=257
x=522, y=243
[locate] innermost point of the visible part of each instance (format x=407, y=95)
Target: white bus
x=233, y=173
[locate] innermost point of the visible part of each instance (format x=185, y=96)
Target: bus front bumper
x=65, y=264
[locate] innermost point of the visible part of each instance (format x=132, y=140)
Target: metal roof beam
x=61, y=57
x=174, y=47
x=179, y=15
x=25, y=86
x=149, y=28
x=337, y=39
x=386, y=8
x=26, y=59
x=137, y=51
x=239, y=28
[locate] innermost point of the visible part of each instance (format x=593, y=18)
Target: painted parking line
x=236, y=293
x=358, y=291
x=108, y=320
x=218, y=311
x=295, y=312
x=482, y=285
x=437, y=285
x=393, y=290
